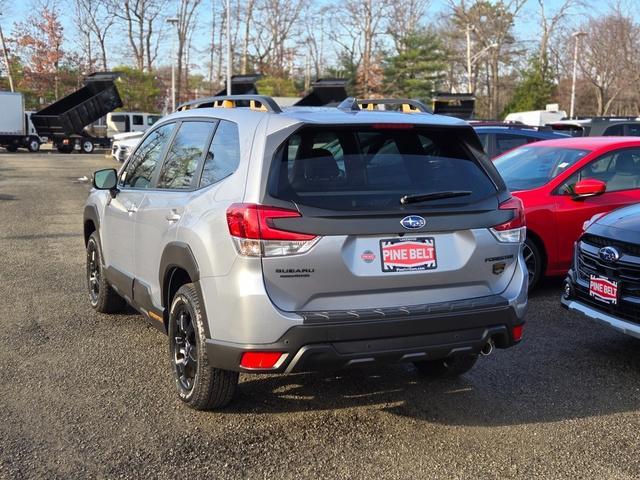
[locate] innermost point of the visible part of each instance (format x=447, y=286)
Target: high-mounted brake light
x=392, y=126
x=514, y=230
x=255, y=234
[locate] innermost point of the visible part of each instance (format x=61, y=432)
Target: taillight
x=255, y=234
x=258, y=360
x=515, y=230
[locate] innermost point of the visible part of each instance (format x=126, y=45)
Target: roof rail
x=260, y=103
x=407, y=105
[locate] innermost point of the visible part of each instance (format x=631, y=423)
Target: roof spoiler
x=405, y=105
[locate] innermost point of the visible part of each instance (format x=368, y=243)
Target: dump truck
x=64, y=121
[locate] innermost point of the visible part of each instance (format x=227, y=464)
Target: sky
x=526, y=25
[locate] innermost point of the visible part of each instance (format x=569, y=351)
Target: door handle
x=173, y=217
x=132, y=209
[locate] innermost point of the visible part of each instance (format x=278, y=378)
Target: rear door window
x=184, y=155
x=372, y=167
x=223, y=155
x=138, y=120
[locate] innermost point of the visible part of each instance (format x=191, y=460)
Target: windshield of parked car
x=531, y=167
x=374, y=167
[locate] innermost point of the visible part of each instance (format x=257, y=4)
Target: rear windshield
x=532, y=167
x=372, y=167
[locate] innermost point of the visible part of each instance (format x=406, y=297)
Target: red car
x=562, y=184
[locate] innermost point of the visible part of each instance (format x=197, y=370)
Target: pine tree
x=416, y=71
x=535, y=90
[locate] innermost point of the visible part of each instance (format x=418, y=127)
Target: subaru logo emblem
x=609, y=254
x=413, y=222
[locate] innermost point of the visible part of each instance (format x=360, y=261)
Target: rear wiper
x=425, y=197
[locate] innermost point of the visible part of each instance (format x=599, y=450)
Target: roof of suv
x=527, y=131
x=320, y=115
x=589, y=143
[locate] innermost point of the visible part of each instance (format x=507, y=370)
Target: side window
x=505, y=143
x=619, y=170
x=151, y=119
x=484, y=140
x=137, y=120
x=614, y=131
x=633, y=129
x=223, y=156
x=144, y=160
x=184, y=155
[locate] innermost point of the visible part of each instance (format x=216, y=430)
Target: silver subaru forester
x=265, y=240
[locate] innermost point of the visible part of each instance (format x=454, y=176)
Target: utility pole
x=229, y=62
x=173, y=21
x=577, y=36
x=469, y=86
x=6, y=58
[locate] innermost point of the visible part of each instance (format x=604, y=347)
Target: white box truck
x=16, y=129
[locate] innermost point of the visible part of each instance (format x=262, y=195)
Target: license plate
x=408, y=254
x=603, y=289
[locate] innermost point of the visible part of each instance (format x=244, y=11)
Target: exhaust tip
x=487, y=348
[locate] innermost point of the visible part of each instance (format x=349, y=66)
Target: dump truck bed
x=69, y=115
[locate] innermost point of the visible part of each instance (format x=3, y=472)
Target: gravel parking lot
x=84, y=395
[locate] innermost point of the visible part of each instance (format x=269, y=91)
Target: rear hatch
x=392, y=215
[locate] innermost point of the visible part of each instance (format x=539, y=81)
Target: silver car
x=273, y=241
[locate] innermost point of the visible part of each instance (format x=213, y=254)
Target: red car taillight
x=513, y=231
x=255, y=235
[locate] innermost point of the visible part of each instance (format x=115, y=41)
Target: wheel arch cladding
x=91, y=222
x=177, y=267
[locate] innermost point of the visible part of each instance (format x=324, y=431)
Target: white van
x=123, y=122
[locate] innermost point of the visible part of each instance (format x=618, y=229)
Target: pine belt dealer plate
x=408, y=254
x=603, y=289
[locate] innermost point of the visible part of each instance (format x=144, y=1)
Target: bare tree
x=609, y=57
x=248, y=16
x=492, y=32
x=186, y=24
x=274, y=34
x=361, y=24
x=405, y=20
x=95, y=21
x=140, y=18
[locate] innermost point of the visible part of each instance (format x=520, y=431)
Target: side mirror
x=589, y=187
x=106, y=179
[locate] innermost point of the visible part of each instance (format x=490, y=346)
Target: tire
x=11, y=148
x=102, y=297
x=199, y=386
x=87, y=146
x=446, y=367
x=533, y=260
x=33, y=145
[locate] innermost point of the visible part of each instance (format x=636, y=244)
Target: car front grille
x=625, y=271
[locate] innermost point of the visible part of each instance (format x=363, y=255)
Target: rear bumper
x=411, y=337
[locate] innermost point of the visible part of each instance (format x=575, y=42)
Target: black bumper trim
x=394, y=313
x=334, y=346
